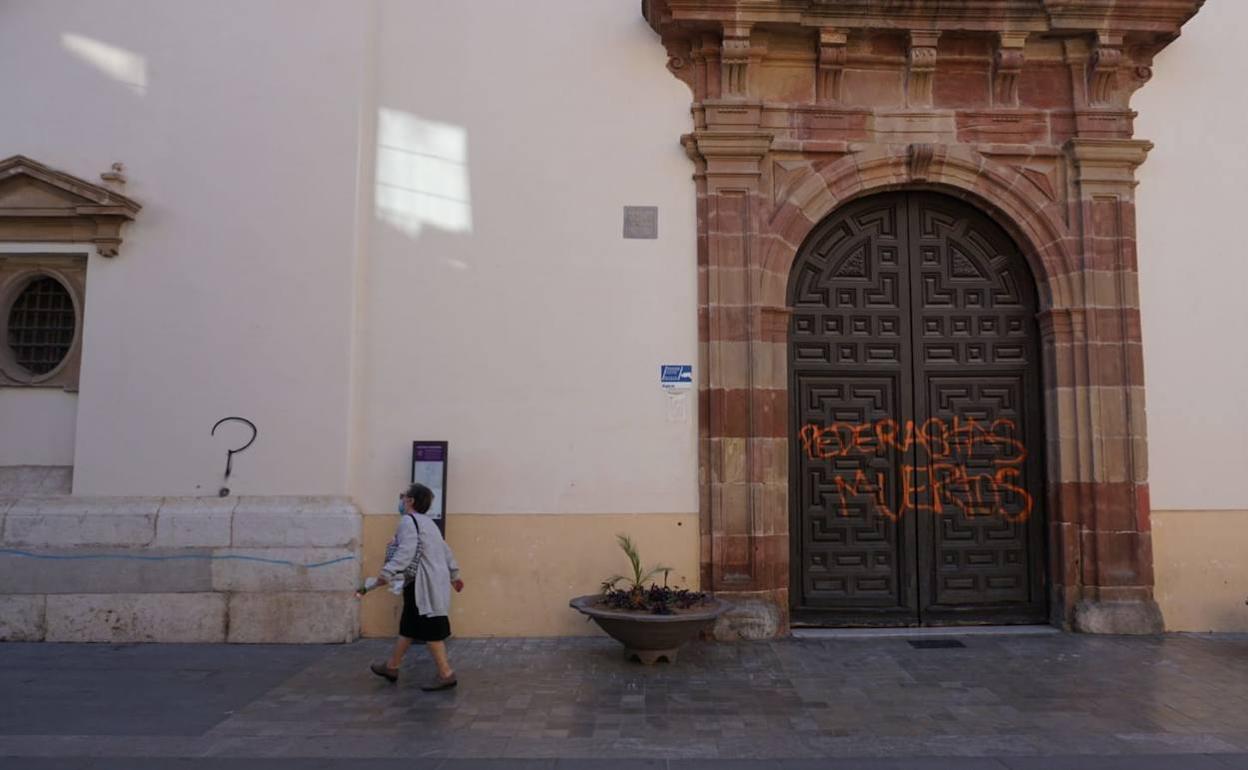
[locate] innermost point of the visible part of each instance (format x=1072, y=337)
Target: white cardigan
x=435, y=570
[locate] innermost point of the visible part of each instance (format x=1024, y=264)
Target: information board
x=429, y=461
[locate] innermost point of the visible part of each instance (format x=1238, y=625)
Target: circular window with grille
x=41, y=321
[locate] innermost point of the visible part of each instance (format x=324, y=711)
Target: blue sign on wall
x=676, y=376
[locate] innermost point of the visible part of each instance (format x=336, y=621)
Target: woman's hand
x=459, y=585
x=381, y=580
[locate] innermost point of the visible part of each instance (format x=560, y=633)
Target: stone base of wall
x=137, y=569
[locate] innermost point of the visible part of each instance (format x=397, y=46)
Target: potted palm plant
x=651, y=622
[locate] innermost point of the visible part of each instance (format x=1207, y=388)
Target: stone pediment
x=40, y=204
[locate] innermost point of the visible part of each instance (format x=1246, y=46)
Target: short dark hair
x=422, y=497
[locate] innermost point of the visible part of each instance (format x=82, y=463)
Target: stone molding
x=254, y=569
x=1020, y=106
x=39, y=204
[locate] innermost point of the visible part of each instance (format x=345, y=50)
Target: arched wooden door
x=916, y=477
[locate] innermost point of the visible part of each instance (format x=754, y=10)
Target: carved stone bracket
x=921, y=67
x=735, y=58
x=1007, y=66
x=832, y=56
x=1103, y=69
x=919, y=161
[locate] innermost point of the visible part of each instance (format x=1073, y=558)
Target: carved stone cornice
x=730, y=153
x=720, y=48
x=1163, y=17
x=39, y=204
x=1107, y=165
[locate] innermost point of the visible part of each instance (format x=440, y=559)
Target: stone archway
x=1020, y=107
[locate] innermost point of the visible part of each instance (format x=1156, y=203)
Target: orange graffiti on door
x=945, y=480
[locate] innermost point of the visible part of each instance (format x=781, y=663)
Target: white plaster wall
x=37, y=426
x=238, y=124
x=1193, y=265
x=511, y=318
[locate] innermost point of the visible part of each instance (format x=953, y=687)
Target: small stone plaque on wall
x=641, y=221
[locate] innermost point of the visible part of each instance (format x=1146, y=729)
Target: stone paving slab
x=1006, y=703
x=1142, y=762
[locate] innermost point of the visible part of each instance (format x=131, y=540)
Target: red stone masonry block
x=1101, y=506
x=727, y=323
x=1064, y=555
x=772, y=324
x=769, y=461
x=961, y=86
x=1143, y=509
x=1114, y=507
x=1133, y=363
x=1114, y=325
x=831, y=126
x=1104, y=124
x=733, y=563
x=1005, y=127
x=1061, y=127
x=772, y=561
x=730, y=416
x=1045, y=86
x=1116, y=558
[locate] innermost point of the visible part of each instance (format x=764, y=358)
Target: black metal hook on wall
x=229, y=457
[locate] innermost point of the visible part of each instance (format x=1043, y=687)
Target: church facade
x=856, y=313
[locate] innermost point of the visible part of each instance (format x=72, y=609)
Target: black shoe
x=384, y=671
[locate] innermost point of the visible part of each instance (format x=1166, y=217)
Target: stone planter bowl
x=650, y=637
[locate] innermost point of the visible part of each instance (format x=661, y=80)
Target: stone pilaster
x=1106, y=498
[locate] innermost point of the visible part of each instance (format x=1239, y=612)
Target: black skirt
x=417, y=627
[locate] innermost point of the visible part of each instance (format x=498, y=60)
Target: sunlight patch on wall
x=422, y=174
x=124, y=66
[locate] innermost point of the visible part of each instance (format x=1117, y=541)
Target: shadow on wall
x=422, y=175
x=124, y=66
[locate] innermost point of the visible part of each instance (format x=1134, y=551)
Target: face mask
x=402, y=508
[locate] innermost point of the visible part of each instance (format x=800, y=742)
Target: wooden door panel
x=849, y=367
x=916, y=473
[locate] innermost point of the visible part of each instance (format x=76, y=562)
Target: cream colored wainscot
x=521, y=569
x=1201, y=561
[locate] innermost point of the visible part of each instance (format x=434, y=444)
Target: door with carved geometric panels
x=917, y=479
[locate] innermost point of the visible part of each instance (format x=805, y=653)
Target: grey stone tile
x=1132, y=762
x=578, y=699
x=610, y=764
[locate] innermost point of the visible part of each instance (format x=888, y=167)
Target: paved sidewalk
x=1020, y=702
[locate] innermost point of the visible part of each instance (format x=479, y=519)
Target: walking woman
x=424, y=562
